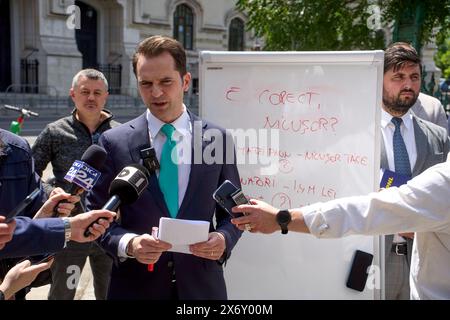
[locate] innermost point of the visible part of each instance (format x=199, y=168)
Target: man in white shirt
x=410, y=145
x=422, y=206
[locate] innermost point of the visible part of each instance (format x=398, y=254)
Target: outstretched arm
x=21, y=275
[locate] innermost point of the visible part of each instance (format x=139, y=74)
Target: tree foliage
x=334, y=24
x=442, y=57
x=436, y=14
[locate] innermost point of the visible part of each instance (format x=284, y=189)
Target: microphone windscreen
x=130, y=183
x=94, y=156
x=140, y=168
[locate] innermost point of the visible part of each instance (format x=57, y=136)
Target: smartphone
x=40, y=258
x=229, y=196
x=22, y=205
x=358, y=273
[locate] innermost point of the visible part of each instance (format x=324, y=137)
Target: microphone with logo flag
x=126, y=188
x=84, y=174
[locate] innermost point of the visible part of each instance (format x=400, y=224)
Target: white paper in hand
x=182, y=233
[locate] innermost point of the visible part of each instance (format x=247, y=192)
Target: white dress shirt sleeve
x=422, y=205
x=123, y=243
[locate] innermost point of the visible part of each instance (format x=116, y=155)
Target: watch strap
x=67, y=230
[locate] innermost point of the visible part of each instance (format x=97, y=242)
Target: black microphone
x=84, y=174
x=126, y=188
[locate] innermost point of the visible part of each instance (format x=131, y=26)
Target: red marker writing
x=150, y=266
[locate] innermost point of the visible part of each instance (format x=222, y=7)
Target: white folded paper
x=182, y=233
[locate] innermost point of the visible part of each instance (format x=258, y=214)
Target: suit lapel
x=198, y=127
x=422, y=146
x=138, y=139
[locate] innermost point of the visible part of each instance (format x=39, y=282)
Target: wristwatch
x=67, y=230
x=2, y=295
x=283, y=218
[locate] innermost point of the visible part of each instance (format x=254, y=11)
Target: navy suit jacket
x=17, y=180
x=196, y=278
x=17, y=175
x=34, y=237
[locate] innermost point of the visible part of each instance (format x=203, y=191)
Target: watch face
x=283, y=217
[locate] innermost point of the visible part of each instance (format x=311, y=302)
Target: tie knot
x=397, y=121
x=168, y=130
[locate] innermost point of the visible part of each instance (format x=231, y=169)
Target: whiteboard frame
x=375, y=58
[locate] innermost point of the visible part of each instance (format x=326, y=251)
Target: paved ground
x=85, y=290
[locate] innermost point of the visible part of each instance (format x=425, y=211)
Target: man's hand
x=81, y=222
x=211, y=249
x=260, y=217
x=22, y=275
x=64, y=209
x=6, y=231
x=147, y=249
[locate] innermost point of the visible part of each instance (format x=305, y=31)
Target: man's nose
x=156, y=91
x=407, y=84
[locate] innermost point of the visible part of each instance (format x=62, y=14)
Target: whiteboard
x=311, y=128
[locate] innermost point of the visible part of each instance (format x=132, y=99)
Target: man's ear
x=186, y=81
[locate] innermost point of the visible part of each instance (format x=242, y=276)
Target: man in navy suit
x=160, y=68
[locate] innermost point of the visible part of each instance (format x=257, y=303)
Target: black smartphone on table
x=229, y=196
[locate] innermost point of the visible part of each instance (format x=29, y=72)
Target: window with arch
x=236, y=35
x=183, y=26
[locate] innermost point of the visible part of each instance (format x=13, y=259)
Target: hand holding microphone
x=84, y=174
x=126, y=188
x=57, y=197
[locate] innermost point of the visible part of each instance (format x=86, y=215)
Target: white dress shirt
x=183, y=135
x=421, y=206
x=407, y=131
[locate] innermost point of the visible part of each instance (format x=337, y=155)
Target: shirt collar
x=182, y=124
x=406, y=118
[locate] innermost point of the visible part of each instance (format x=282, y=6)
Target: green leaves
x=335, y=24
x=442, y=57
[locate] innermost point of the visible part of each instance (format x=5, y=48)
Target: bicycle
x=16, y=125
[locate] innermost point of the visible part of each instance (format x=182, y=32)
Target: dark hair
x=398, y=54
x=156, y=45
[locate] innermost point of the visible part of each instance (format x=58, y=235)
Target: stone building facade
x=45, y=42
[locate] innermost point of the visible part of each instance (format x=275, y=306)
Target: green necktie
x=168, y=173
